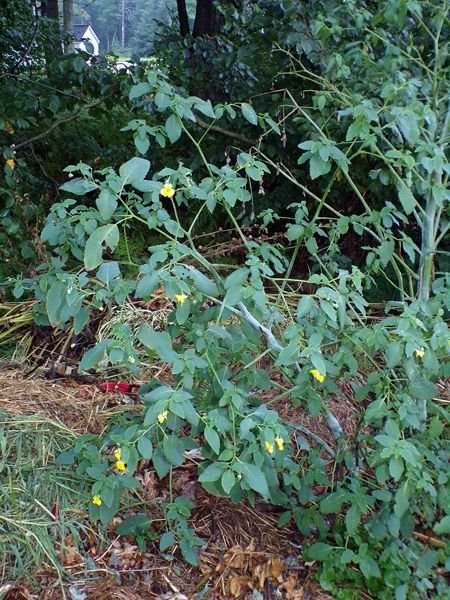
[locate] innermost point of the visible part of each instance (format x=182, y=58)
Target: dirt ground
x=245, y=555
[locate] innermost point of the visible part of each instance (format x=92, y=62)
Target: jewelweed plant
x=238, y=331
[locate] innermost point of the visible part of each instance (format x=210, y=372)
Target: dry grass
x=244, y=551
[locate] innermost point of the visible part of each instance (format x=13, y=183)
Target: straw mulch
x=244, y=551
x=81, y=407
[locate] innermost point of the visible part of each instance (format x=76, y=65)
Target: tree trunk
x=206, y=18
x=122, y=25
x=207, y=25
x=49, y=9
x=183, y=18
x=68, y=26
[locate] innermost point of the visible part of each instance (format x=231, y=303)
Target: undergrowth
x=374, y=509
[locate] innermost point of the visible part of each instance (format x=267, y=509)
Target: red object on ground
x=118, y=386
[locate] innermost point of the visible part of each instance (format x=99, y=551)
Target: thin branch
x=331, y=421
x=314, y=436
x=227, y=132
x=28, y=48
x=56, y=124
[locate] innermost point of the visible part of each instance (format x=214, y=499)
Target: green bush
x=237, y=332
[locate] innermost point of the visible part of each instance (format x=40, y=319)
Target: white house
x=85, y=39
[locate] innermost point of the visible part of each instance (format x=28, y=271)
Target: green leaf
x=81, y=319
x=237, y=278
x=134, y=170
x=142, y=144
x=140, y=89
x=352, y=519
x=318, y=551
x=106, y=204
x=205, y=107
x=162, y=101
x=161, y=465
x=213, y=472
x=249, y=114
x=228, y=480
x=66, y=458
x=203, y=284
x=173, y=449
x=288, y=355
x=333, y=502
x=93, y=356
x=106, y=235
x=305, y=306
x=319, y=363
x=79, y=186
x=55, y=300
x=369, y=567
x=145, y=447
x=443, y=527
x=394, y=354
x=318, y=167
x=173, y=128
x=135, y=525
x=167, y=541
x=422, y=389
x=159, y=341
x=402, y=500
x=406, y=198
x=294, y=231
x=386, y=251
x=396, y=468
x=108, y=271
x=147, y=285
x=189, y=553
x=213, y=439
x=183, y=312
x=254, y=477
x=329, y=310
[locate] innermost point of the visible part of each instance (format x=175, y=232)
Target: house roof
x=80, y=31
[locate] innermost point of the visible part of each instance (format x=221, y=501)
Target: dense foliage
x=331, y=130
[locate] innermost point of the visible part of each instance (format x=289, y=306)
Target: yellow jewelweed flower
x=419, y=352
x=317, y=375
x=269, y=447
x=118, y=454
x=167, y=190
x=11, y=163
x=120, y=465
x=280, y=443
x=181, y=298
x=162, y=417
x=97, y=500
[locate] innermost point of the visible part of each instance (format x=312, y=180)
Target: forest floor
x=245, y=555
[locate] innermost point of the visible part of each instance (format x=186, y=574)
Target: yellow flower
x=120, y=465
x=181, y=298
x=162, y=417
x=97, y=500
x=269, y=447
x=167, y=190
x=419, y=352
x=118, y=454
x=280, y=443
x=11, y=164
x=317, y=375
